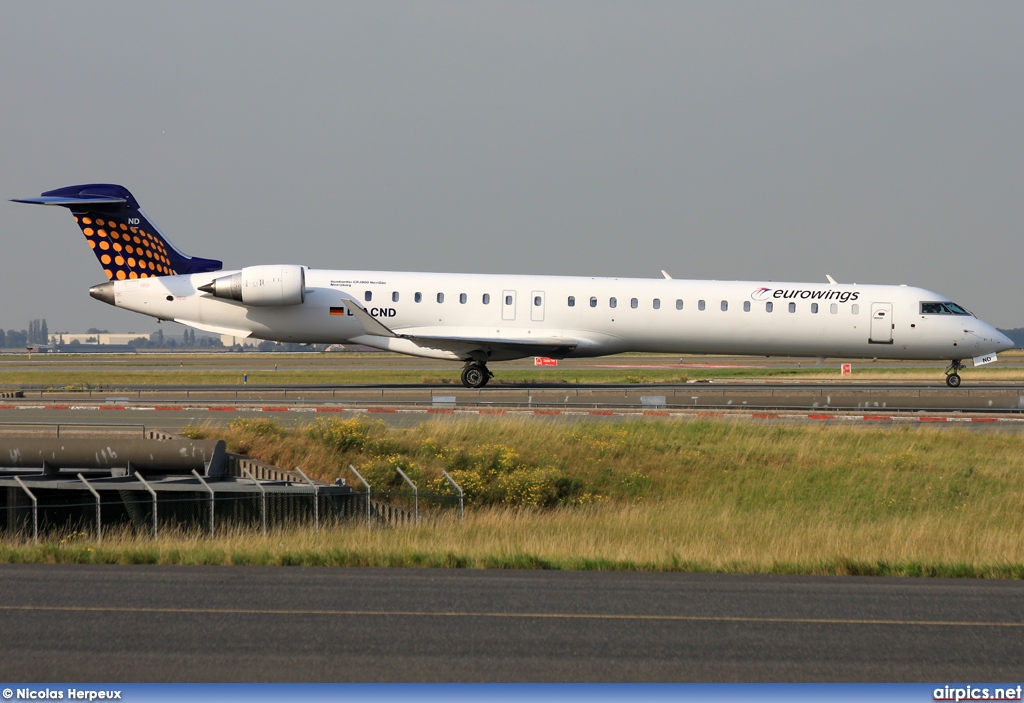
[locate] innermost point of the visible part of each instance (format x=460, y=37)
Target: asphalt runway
x=165, y=623
x=137, y=421
x=808, y=395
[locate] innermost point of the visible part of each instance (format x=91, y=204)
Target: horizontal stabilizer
x=83, y=200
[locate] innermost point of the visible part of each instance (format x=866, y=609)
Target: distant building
x=229, y=341
x=97, y=337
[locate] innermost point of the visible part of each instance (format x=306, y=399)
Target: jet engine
x=261, y=286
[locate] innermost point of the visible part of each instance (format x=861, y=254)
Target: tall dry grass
x=668, y=536
x=653, y=495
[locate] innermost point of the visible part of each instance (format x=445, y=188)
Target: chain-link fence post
x=99, y=529
x=213, y=498
x=415, y=496
x=263, y=501
x=35, y=510
x=316, y=500
x=153, y=494
x=462, y=515
x=363, y=481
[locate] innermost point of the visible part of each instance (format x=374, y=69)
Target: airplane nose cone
x=103, y=292
x=1003, y=341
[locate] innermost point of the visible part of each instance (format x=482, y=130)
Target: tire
x=475, y=376
x=953, y=380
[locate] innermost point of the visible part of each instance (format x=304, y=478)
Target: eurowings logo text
x=764, y=293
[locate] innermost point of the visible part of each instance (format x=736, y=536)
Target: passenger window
x=440, y=297
x=725, y=305
x=418, y=297
x=746, y=306
x=462, y=298
x=855, y=309
x=814, y=308
x=657, y=304
x=769, y=306
x=394, y=296
x=572, y=301
x=536, y=301
x=508, y=300
x=593, y=302
x=612, y=302
x=633, y=303
x=833, y=308
x=487, y=299
x=368, y=296
x=679, y=305
x=700, y=304
x=792, y=307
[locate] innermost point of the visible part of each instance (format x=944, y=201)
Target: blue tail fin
x=126, y=243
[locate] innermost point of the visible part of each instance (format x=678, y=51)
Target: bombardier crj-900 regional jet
x=478, y=318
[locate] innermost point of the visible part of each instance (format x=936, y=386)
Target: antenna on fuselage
x=663, y=273
x=831, y=280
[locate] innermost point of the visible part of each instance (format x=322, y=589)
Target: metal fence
x=34, y=513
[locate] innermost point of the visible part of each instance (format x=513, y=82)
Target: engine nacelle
x=261, y=286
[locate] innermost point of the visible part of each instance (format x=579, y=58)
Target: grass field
x=704, y=496
x=64, y=372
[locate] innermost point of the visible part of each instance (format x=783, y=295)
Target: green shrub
x=338, y=434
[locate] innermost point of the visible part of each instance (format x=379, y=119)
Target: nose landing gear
x=952, y=377
x=475, y=375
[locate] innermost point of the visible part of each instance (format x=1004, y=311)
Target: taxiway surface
x=167, y=623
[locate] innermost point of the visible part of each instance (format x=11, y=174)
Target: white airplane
x=478, y=318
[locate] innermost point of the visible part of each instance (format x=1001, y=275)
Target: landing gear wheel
x=475, y=376
x=952, y=377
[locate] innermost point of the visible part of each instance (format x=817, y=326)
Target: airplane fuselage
x=479, y=318
x=603, y=315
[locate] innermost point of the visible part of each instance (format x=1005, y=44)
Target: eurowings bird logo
x=761, y=293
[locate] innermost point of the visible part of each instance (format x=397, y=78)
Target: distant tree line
x=1017, y=335
x=37, y=333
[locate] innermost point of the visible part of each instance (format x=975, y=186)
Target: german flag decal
x=338, y=311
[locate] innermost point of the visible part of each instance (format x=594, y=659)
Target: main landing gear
x=952, y=377
x=475, y=375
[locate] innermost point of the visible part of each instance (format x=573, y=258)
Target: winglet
x=368, y=321
x=665, y=274
x=831, y=280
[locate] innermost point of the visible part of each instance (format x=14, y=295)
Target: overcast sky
x=879, y=142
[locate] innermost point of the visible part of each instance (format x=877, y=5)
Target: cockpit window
x=942, y=309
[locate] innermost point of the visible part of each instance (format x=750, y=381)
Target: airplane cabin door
x=508, y=305
x=537, y=306
x=881, y=323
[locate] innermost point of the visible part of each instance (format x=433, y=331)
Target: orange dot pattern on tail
x=125, y=251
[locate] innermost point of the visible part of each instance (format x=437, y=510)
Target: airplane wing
x=215, y=329
x=494, y=346
x=499, y=346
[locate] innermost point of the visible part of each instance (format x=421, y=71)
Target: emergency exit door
x=881, y=323
x=508, y=305
x=537, y=306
